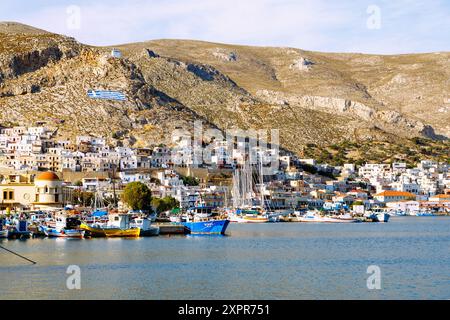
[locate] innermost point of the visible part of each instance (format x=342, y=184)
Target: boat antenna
x=16, y=254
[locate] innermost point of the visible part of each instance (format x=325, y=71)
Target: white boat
x=383, y=217
x=64, y=228
x=273, y=217
x=145, y=225
x=422, y=213
x=295, y=216
x=175, y=219
x=377, y=215
x=344, y=218
x=311, y=216
x=315, y=216
x=248, y=216
x=397, y=213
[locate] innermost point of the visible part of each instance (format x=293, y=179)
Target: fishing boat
x=248, y=216
x=117, y=226
x=19, y=230
x=377, y=215
x=315, y=216
x=150, y=216
x=312, y=216
x=64, y=228
x=273, y=217
x=383, y=217
x=145, y=227
x=201, y=220
x=343, y=218
x=422, y=214
x=398, y=213
x=207, y=227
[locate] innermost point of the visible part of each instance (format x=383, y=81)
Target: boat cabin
x=21, y=225
x=119, y=220
x=141, y=223
x=64, y=222
x=200, y=211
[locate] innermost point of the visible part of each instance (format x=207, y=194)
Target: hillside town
x=41, y=172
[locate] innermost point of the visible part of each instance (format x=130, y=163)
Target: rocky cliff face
x=313, y=98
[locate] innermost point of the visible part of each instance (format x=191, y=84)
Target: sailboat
x=100, y=209
x=242, y=192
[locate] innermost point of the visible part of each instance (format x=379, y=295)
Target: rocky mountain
x=317, y=100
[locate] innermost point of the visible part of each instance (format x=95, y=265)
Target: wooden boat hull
x=111, y=232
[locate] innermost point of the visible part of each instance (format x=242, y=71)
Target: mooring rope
x=33, y=262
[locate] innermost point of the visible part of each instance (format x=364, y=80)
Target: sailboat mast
x=261, y=181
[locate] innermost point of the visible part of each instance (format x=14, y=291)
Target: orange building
x=390, y=196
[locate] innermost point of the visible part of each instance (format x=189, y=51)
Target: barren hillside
x=315, y=99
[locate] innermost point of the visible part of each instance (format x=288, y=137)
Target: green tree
x=137, y=196
x=83, y=198
x=357, y=203
x=190, y=181
x=158, y=205
x=164, y=204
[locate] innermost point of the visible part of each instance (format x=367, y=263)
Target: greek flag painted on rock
x=106, y=95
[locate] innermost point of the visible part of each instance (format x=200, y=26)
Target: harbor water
x=255, y=261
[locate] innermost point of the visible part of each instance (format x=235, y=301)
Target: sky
x=366, y=26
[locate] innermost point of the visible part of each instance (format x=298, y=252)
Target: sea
x=406, y=258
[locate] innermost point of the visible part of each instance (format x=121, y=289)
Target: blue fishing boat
x=19, y=230
x=207, y=227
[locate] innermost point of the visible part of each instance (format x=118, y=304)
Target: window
x=8, y=195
